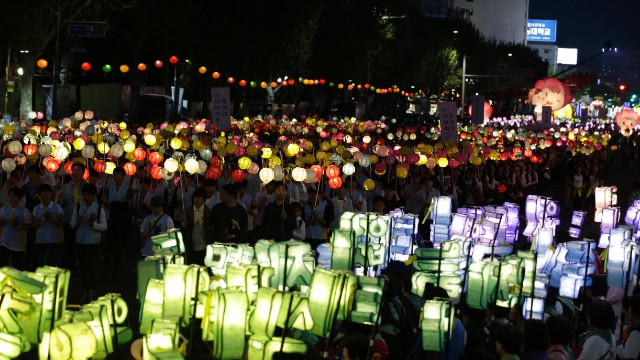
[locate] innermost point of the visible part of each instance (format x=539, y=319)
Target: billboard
x=567, y=56
x=541, y=30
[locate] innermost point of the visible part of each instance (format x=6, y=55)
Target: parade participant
x=117, y=200
x=197, y=227
x=48, y=220
x=155, y=223
x=69, y=197
x=279, y=216
x=15, y=220
x=89, y=221
x=229, y=217
x=317, y=219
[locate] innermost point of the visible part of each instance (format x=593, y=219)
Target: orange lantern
x=142, y=67
x=215, y=75
x=318, y=170
x=30, y=149
x=67, y=167
x=173, y=59
x=274, y=84
x=139, y=154
x=42, y=63
x=100, y=166
x=86, y=66
x=156, y=173
x=213, y=173
x=528, y=153
x=332, y=171
x=129, y=169
x=85, y=177
x=238, y=175
x=155, y=158
x=504, y=156
x=335, y=182
x=534, y=159
x=52, y=165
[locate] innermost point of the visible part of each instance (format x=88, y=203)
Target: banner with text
x=221, y=107
x=477, y=109
x=448, y=121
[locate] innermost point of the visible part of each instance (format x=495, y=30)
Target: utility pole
x=56, y=63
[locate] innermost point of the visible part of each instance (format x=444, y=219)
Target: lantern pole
x=439, y=264
x=325, y=353
x=366, y=248
x=495, y=292
x=523, y=273
x=375, y=326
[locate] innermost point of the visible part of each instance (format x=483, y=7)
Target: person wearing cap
x=15, y=219
x=155, y=223
x=89, y=221
x=48, y=219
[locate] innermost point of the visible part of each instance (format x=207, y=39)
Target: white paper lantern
x=336, y=159
x=61, y=153
x=171, y=165
x=117, y=150
x=348, y=169
x=278, y=173
x=45, y=150
x=8, y=165
x=299, y=174
x=206, y=154
x=202, y=167
x=266, y=175
x=364, y=161
x=191, y=165
x=15, y=147
x=88, y=152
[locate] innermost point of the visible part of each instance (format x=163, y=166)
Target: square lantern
x=450, y=282
x=620, y=257
x=461, y=225
x=577, y=220
x=610, y=217
x=543, y=241
x=152, y=267
x=368, y=297
x=219, y=257
x=248, y=278
x=261, y=249
x=182, y=283
x=604, y=197
x=441, y=210
x=287, y=258
x=511, y=222
x=480, y=251
x=437, y=324
x=224, y=322
x=162, y=341
x=330, y=293
x=342, y=249
x=97, y=317
x=152, y=304
x=533, y=308
x=324, y=256
x=170, y=242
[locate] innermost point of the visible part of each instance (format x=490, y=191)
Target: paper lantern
x=124, y=68
x=100, y=166
x=139, y=154
x=79, y=143
x=369, y=184
x=42, y=63
x=103, y=148
x=332, y=171
x=213, y=173
x=292, y=149
x=364, y=161
x=348, y=169
x=443, y=162
x=117, y=150
x=106, y=68
x=52, y=165
x=299, y=174
x=335, y=182
x=215, y=75
x=253, y=168
x=171, y=165
x=68, y=167
x=45, y=150
x=72, y=341
x=244, y=163
x=88, y=152
x=156, y=173
x=175, y=143
x=380, y=168
x=30, y=149
x=150, y=139
x=130, y=169
x=158, y=64
x=15, y=147
x=278, y=173
x=238, y=175
x=318, y=170
x=173, y=60
x=8, y=165
x=266, y=175
x=437, y=325
x=155, y=158
x=129, y=147
x=191, y=165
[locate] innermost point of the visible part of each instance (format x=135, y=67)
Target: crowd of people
x=64, y=220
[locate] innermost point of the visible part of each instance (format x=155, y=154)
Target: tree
x=439, y=70
x=32, y=26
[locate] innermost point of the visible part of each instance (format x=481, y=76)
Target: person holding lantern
x=89, y=221
x=70, y=196
x=155, y=223
x=229, y=217
x=197, y=226
x=117, y=200
x=48, y=219
x=15, y=219
x=279, y=218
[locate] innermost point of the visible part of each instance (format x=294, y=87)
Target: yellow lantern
x=275, y=161
x=175, y=143
x=109, y=168
x=252, y=151
x=266, y=153
x=103, y=148
x=401, y=172
x=369, y=184
x=231, y=148
x=78, y=143
x=293, y=149
x=122, y=125
x=129, y=147
x=443, y=162
x=125, y=134
x=150, y=139
x=244, y=163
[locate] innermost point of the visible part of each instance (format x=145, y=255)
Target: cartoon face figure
x=627, y=120
x=550, y=92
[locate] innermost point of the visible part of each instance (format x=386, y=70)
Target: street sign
x=94, y=30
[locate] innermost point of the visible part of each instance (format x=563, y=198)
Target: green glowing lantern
x=224, y=322
x=162, y=341
x=478, y=283
x=117, y=312
x=170, y=242
x=97, y=318
x=330, y=294
x=72, y=341
x=508, y=278
x=13, y=304
x=152, y=267
x=290, y=346
x=10, y=346
x=182, y=283
x=450, y=250
x=450, y=282
x=376, y=254
x=342, y=249
x=220, y=256
x=437, y=324
x=261, y=249
x=287, y=258
x=529, y=261
x=367, y=300
x=248, y=278
x=152, y=305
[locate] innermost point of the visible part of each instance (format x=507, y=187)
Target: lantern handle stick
x=366, y=248
x=439, y=264
x=375, y=326
x=114, y=324
x=325, y=353
x=465, y=274
x=53, y=310
x=523, y=273
x=497, y=289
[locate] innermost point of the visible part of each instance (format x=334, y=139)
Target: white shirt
x=48, y=232
x=631, y=348
x=12, y=239
x=299, y=232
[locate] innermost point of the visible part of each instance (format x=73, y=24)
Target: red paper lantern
x=215, y=75
x=156, y=173
x=142, y=67
x=158, y=64
x=173, y=59
x=380, y=168
x=139, y=154
x=100, y=166
x=231, y=80
x=318, y=170
x=502, y=188
x=332, y=171
x=213, y=173
x=534, y=159
x=30, y=149
x=67, y=167
x=52, y=165
x=85, y=177
x=335, y=182
x=42, y=63
x=85, y=66
x=238, y=175
x=155, y=158
x=242, y=83
x=528, y=153
x=129, y=169
x=216, y=162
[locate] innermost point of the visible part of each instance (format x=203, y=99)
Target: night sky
x=587, y=24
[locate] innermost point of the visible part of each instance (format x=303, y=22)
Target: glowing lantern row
x=266, y=175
